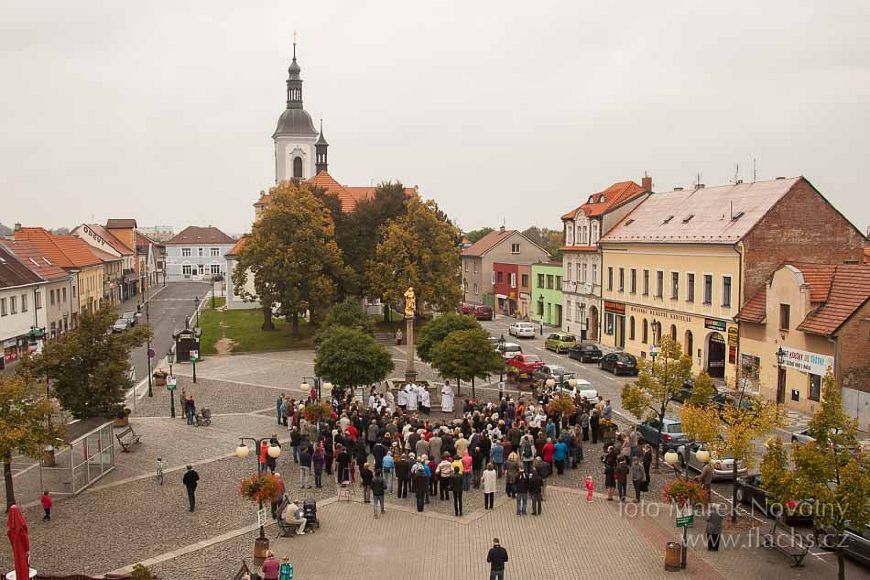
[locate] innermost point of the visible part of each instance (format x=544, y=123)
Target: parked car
x=524, y=365
x=723, y=467
x=619, y=363
x=483, y=312
x=130, y=317
x=121, y=325
x=804, y=436
x=581, y=388
x=558, y=373
x=522, y=330
x=855, y=542
x=585, y=353
x=721, y=400
x=560, y=342
x=672, y=435
x=465, y=308
x=508, y=349
x=686, y=391
x=750, y=491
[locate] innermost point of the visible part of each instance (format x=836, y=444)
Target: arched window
x=674, y=332
x=656, y=332
x=631, y=328
x=297, y=167
x=689, y=344
x=645, y=332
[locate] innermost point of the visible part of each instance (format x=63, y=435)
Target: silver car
x=522, y=330
x=723, y=467
x=120, y=325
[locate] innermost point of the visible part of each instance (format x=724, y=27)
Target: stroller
x=309, y=512
x=203, y=418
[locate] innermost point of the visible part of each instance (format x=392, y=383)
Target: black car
x=686, y=391
x=855, y=542
x=619, y=363
x=585, y=353
x=721, y=400
x=750, y=491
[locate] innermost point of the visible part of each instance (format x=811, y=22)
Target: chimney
x=646, y=183
x=501, y=228
x=17, y=226
x=700, y=186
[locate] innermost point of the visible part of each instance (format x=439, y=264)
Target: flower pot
x=261, y=548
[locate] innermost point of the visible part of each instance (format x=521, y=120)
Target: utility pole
x=148, y=353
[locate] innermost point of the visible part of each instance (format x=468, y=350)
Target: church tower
x=320, y=151
x=295, y=135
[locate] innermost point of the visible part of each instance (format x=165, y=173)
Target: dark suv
x=619, y=363
x=585, y=353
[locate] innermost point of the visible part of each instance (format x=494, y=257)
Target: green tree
x=437, y=329
x=351, y=358
x=293, y=256
x=657, y=383
x=349, y=313
x=703, y=390
x=89, y=366
x=25, y=424
x=474, y=236
x=418, y=249
x=466, y=355
x=832, y=471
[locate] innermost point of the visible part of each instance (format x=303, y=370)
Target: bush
x=260, y=487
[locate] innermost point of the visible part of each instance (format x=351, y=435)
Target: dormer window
x=601, y=199
x=737, y=216
x=668, y=219
x=629, y=222
x=688, y=218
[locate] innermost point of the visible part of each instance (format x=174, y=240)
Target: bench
x=789, y=544
x=127, y=438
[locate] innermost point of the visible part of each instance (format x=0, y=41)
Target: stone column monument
x=410, y=312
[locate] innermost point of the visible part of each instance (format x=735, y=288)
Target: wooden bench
x=789, y=544
x=127, y=438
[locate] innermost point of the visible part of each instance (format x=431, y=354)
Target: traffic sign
x=151, y=353
x=171, y=383
x=685, y=521
x=261, y=517
x=194, y=356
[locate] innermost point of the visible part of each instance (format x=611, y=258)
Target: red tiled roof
x=199, y=235
x=104, y=256
x=867, y=254
x=600, y=202
x=110, y=238
x=755, y=310
x=349, y=196
x=35, y=259
x=79, y=252
x=13, y=272
x=234, y=251
x=487, y=242
x=849, y=290
x=819, y=277
x=45, y=242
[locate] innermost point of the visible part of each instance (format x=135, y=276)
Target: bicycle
x=159, y=471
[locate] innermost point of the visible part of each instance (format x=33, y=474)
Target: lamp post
x=671, y=458
x=780, y=357
x=653, y=352
x=170, y=358
x=196, y=309
x=274, y=451
x=149, y=352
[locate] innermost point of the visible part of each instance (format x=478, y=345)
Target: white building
x=197, y=253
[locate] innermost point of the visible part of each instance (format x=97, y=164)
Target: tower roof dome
x=295, y=122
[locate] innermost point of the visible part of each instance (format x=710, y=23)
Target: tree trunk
x=267, y=319
x=386, y=313
x=294, y=324
x=458, y=386
x=10, y=486
x=841, y=562
x=734, y=492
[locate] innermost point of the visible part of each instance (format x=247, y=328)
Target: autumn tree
x=730, y=431
x=657, y=383
x=832, y=471
x=293, y=256
x=418, y=249
x=437, y=329
x=25, y=426
x=89, y=366
x=349, y=313
x=466, y=355
x=351, y=358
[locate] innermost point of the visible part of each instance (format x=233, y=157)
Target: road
x=167, y=308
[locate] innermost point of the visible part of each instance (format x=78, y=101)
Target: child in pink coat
x=590, y=487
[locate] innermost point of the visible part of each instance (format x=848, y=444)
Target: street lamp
x=170, y=358
x=273, y=451
x=780, y=357
x=702, y=455
x=149, y=352
x=653, y=352
x=327, y=385
x=671, y=458
x=196, y=309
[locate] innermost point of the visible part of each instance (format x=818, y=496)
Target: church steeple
x=294, y=83
x=320, y=148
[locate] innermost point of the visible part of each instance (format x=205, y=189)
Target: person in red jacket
x=47, y=504
x=548, y=451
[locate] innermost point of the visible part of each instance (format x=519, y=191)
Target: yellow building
x=682, y=263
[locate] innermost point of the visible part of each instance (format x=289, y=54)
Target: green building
x=547, y=293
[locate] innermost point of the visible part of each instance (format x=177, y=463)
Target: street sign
x=685, y=521
x=194, y=356
x=151, y=353
x=171, y=383
x=261, y=517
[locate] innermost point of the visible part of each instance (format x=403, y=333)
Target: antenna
x=737, y=172
x=754, y=169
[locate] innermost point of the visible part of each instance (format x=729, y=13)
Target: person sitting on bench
x=293, y=515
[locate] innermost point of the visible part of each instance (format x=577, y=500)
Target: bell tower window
x=297, y=167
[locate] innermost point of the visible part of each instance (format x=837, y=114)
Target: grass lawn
x=218, y=302
x=243, y=327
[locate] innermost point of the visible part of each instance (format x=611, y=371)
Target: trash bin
x=672, y=557
x=261, y=549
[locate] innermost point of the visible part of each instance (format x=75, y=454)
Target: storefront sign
x=732, y=355
x=664, y=314
x=617, y=307
x=807, y=362
x=714, y=324
x=732, y=336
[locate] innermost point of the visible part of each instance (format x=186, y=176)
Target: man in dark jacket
x=621, y=474
x=403, y=475
x=378, y=489
x=536, y=485
x=496, y=557
x=421, y=487
x=456, y=484
x=190, y=481
x=521, y=489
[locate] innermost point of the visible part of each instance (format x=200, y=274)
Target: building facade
x=581, y=256
x=120, y=282
x=806, y=321
x=547, y=293
x=499, y=246
x=18, y=287
x=524, y=303
x=506, y=288
x=682, y=263
x=197, y=253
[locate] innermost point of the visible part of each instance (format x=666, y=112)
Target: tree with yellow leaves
x=731, y=431
x=831, y=470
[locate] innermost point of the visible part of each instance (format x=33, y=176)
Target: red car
x=479, y=311
x=523, y=365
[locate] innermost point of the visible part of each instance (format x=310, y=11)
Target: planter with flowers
x=262, y=487
x=317, y=411
x=685, y=492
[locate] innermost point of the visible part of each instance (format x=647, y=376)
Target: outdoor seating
x=789, y=544
x=127, y=438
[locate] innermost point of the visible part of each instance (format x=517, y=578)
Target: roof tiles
x=487, y=242
x=599, y=202
x=199, y=235
x=13, y=272
x=849, y=290
x=35, y=259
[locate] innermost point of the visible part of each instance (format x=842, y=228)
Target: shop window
x=608, y=323
x=673, y=332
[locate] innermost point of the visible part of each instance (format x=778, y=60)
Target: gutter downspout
x=738, y=247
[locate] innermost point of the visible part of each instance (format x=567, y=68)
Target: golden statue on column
x=410, y=303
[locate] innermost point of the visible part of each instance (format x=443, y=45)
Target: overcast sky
x=507, y=110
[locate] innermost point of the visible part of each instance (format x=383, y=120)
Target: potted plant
x=160, y=377
x=260, y=487
x=685, y=492
x=317, y=411
x=122, y=417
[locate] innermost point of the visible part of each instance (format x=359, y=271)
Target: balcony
x=575, y=287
